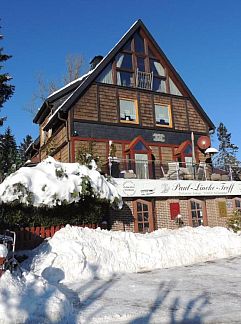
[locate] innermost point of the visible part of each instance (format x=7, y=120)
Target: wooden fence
x=30, y=237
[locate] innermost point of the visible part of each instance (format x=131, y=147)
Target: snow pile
x=52, y=182
x=31, y=299
x=82, y=253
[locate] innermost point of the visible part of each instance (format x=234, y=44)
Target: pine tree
x=23, y=147
x=227, y=150
x=9, y=159
x=6, y=90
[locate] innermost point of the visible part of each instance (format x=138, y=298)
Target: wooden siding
x=167, y=154
x=100, y=103
x=100, y=148
x=58, y=139
x=108, y=105
x=179, y=114
x=62, y=155
x=86, y=107
x=146, y=109
x=195, y=120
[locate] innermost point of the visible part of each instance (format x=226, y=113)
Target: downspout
x=67, y=130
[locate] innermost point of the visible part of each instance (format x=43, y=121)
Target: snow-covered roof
x=81, y=78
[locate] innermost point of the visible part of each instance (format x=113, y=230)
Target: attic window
x=106, y=75
x=139, y=43
x=173, y=88
x=124, y=61
x=156, y=68
x=127, y=46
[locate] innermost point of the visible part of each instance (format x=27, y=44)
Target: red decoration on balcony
x=174, y=210
x=203, y=142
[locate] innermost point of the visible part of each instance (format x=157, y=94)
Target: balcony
x=139, y=169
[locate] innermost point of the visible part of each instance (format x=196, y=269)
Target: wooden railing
x=28, y=238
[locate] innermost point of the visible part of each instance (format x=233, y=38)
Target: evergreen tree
x=6, y=90
x=9, y=159
x=23, y=147
x=227, y=150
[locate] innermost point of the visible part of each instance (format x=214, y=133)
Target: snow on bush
x=31, y=299
x=82, y=253
x=52, y=183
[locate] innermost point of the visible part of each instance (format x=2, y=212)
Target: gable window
x=139, y=43
x=163, y=115
x=124, y=61
x=106, y=75
x=173, y=88
x=128, y=111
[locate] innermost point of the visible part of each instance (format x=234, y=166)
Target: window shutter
x=174, y=210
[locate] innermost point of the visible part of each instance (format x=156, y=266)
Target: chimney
x=96, y=60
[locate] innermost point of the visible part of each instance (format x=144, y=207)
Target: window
x=124, y=61
x=159, y=85
x=197, y=213
x=163, y=115
x=125, y=79
x=173, y=88
x=156, y=68
x=143, y=216
x=139, y=43
x=106, y=75
x=237, y=204
x=128, y=111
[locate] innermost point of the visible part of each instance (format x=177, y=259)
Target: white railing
x=139, y=169
x=144, y=80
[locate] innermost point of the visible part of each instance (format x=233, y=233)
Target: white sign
x=158, y=137
x=175, y=188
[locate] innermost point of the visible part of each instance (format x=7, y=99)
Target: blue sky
x=201, y=39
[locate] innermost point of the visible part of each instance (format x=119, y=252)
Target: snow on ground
x=202, y=293
x=31, y=298
x=52, y=182
x=76, y=253
x=98, y=276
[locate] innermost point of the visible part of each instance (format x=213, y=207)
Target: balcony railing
x=144, y=169
x=144, y=80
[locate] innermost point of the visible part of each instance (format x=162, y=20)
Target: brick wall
x=124, y=220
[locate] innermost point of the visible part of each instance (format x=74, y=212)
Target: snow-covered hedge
x=53, y=183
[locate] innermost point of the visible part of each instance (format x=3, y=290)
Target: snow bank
x=31, y=299
x=82, y=253
x=52, y=182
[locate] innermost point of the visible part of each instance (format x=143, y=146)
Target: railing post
x=230, y=173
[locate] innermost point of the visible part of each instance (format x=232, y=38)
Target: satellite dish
x=203, y=142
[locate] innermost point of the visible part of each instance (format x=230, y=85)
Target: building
x=150, y=133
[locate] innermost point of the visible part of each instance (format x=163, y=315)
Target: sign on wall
x=175, y=188
x=222, y=208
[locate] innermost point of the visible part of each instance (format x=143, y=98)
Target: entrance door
x=143, y=216
x=142, y=169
